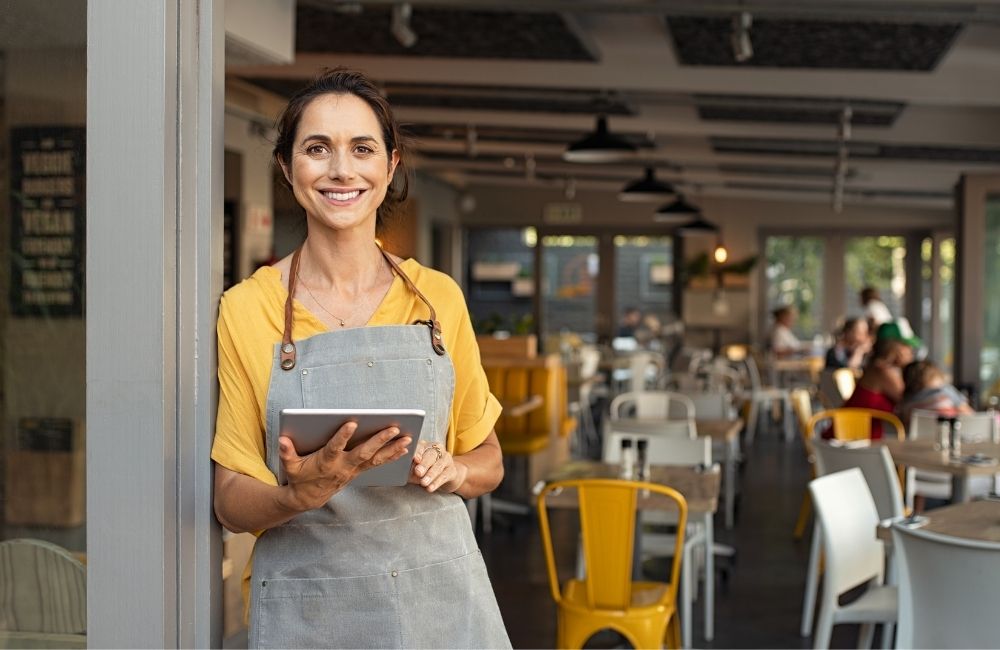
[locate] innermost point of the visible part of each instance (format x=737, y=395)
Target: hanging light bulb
x=720, y=254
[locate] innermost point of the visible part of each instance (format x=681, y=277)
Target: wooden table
x=725, y=435
x=515, y=408
x=922, y=454
x=699, y=488
x=975, y=520
x=811, y=365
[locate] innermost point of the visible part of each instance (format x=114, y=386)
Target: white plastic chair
x=762, y=396
x=43, y=603
x=949, y=589
x=975, y=427
x=854, y=556
x=653, y=405
x=677, y=451
x=880, y=475
x=715, y=405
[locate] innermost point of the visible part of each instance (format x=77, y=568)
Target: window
x=794, y=274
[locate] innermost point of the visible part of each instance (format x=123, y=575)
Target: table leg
x=959, y=488
x=709, y=578
x=732, y=451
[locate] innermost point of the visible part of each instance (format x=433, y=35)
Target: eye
x=364, y=149
x=316, y=150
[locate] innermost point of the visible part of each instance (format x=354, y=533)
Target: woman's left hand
x=435, y=469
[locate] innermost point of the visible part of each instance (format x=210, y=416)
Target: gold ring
x=437, y=448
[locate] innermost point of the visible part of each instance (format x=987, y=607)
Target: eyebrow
x=323, y=138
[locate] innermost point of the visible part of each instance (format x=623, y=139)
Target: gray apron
x=382, y=567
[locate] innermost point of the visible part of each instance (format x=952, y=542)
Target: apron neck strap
x=437, y=339
x=288, y=346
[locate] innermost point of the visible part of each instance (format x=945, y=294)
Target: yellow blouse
x=251, y=322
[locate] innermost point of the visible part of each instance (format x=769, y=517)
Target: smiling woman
x=340, y=565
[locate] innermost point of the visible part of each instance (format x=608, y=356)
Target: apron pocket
x=450, y=605
x=328, y=613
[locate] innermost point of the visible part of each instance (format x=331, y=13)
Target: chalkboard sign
x=45, y=434
x=47, y=220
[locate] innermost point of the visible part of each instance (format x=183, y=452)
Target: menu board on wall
x=47, y=220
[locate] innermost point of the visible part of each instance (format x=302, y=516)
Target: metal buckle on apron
x=437, y=340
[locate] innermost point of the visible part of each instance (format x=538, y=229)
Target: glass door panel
x=644, y=277
x=570, y=266
x=989, y=368
x=42, y=324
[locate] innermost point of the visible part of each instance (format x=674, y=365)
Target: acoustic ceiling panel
x=440, y=33
x=779, y=43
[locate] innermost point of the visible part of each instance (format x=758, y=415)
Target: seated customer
x=781, y=340
x=853, y=343
x=927, y=390
x=881, y=385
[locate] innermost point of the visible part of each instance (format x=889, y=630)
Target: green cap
x=899, y=330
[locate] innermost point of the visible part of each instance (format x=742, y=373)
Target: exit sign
x=562, y=214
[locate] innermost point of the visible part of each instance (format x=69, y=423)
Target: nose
x=340, y=166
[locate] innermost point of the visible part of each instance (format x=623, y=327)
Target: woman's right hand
x=314, y=478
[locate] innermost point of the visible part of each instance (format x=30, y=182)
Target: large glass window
x=501, y=279
x=795, y=277
x=644, y=276
x=569, y=285
x=990, y=356
x=42, y=335
x=878, y=262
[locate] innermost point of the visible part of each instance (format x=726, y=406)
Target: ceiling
x=494, y=91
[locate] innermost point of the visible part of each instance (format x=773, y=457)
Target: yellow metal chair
x=850, y=423
x=802, y=407
x=644, y=612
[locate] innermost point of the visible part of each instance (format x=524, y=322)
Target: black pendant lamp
x=697, y=226
x=646, y=189
x=675, y=211
x=599, y=146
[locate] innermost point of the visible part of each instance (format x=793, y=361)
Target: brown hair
x=918, y=375
x=885, y=350
x=868, y=294
x=341, y=81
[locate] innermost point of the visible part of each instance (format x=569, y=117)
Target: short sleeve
x=239, y=439
x=474, y=410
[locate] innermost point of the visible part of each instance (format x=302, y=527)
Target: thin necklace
x=341, y=321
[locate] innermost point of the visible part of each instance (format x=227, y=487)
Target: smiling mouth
x=342, y=196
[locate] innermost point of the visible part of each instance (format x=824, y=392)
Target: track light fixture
x=740, y=37
x=599, y=146
x=399, y=24
x=646, y=189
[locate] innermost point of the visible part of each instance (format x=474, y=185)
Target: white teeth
x=341, y=196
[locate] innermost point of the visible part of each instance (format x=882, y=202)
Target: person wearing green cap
x=899, y=330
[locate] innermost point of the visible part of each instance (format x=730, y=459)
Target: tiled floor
x=758, y=606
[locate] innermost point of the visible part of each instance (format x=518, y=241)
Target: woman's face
x=340, y=169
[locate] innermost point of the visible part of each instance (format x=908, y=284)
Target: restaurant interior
x=693, y=237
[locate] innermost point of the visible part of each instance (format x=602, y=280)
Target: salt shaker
x=944, y=433
x=627, y=468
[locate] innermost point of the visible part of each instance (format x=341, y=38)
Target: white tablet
x=310, y=429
